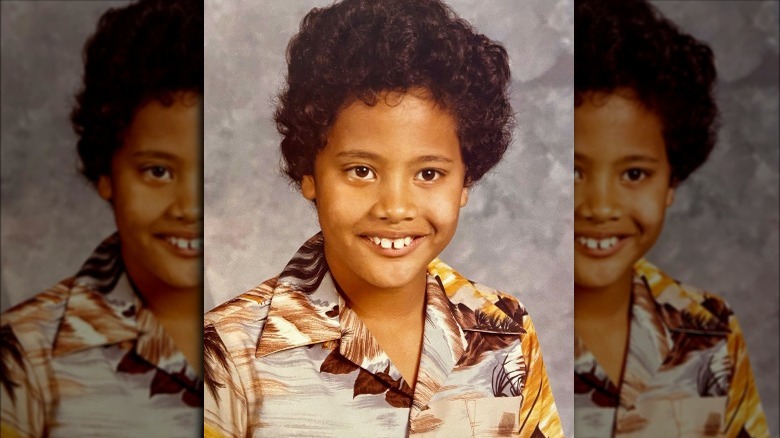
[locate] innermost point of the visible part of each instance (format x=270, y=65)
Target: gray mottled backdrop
x=515, y=234
x=722, y=230
x=51, y=219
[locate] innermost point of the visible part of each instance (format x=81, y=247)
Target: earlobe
x=669, y=196
x=464, y=196
x=104, y=187
x=308, y=188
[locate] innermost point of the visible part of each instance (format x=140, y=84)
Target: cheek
x=445, y=208
x=650, y=211
x=137, y=205
x=339, y=206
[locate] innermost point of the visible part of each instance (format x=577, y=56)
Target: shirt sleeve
x=744, y=414
x=538, y=413
x=225, y=402
x=22, y=405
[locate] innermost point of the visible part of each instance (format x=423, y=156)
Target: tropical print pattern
x=686, y=370
x=86, y=358
x=289, y=358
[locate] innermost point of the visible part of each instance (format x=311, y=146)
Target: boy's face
x=388, y=187
x=154, y=189
x=621, y=188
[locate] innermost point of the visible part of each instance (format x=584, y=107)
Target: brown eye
x=361, y=173
x=635, y=174
x=429, y=175
x=158, y=173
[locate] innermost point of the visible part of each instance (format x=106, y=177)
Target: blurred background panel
x=721, y=233
x=51, y=218
x=515, y=234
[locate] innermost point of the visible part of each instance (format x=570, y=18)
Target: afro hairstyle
x=360, y=49
x=148, y=50
x=629, y=44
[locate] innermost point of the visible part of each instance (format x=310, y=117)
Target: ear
x=308, y=187
x=104, y=187
x=669, y=196
x=464, y=196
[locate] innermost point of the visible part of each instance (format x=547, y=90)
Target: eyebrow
x=155, y=154
x=358, y=154
x=372, y=156
x=629, y=159
x=434, y=159
x=638, y=158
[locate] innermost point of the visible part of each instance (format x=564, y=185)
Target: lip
x=175, y=249
x=417, y=238
x=599, y=252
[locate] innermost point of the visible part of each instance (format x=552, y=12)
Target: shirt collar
x=306, y=309
x=103, y=309
x=100, y=306
x=683, y=308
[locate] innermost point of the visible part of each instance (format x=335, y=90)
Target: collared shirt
x=86, y=358
x=686, y=370
x=289, y=358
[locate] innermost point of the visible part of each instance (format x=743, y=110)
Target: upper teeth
x=391, y=243
x=592, y=243
x=185, y=243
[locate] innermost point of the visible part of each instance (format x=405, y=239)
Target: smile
x=386, y=243
x=185, y=244
x=591, y=243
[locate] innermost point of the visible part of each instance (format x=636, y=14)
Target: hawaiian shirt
x=86, y=358
x=289, y=358
x=686, y=370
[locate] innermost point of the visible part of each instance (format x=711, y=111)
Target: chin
x=393, y=278
x=181, y=275
x=599, y=274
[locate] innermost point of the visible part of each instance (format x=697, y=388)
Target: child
x=114, y=350
x=653, y=357
x=392, y=110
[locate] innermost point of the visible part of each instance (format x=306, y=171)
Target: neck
x=404, y=304
x=602, y=304
x=178, y=309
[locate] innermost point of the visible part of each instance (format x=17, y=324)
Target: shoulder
x=488, y=305
x=28, y=332
x=34, y=323
x=693, y=305
x=239, y=321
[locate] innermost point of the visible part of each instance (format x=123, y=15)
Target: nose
x=395, y=201
x=187, y=205
x=597, y=201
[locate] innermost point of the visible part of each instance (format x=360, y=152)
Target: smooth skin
x=621, y=191
x=392, y=170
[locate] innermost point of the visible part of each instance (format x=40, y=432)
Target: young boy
x=392, y=110
x=653, y=357
x=115, y=350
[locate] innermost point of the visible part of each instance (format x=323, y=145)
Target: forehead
x=611, y=126
x=396, y=126
x=167, y=127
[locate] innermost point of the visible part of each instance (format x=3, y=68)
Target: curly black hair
x=630, y=44
x=148, y=50
x=358, y=49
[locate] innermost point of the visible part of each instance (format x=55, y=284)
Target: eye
x=363, y=173
x=157, y=173
x=635, y=174
x=577, y=175
x=428, y=175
